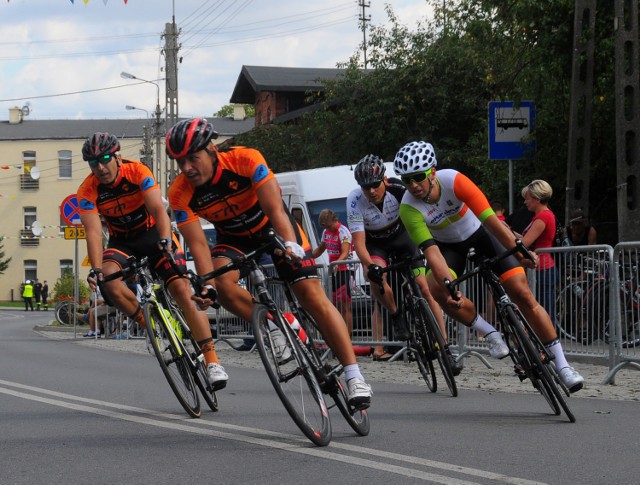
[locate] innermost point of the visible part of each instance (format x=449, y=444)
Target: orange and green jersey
x=460, y=211
x=122, y=203
x=229, y=200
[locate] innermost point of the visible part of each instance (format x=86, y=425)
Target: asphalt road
x=77, y=412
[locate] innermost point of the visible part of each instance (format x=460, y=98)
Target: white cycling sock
x=481, y=326
x=352, y=371
x=556, y=348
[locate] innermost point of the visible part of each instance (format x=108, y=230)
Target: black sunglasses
x=417, y=177
x=103, y=160
x=372, y=185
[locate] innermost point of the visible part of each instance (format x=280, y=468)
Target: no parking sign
x=69, y=210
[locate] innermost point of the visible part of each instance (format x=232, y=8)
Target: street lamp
x=157, y=125
x=146, y=149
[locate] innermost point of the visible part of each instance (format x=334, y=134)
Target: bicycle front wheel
x=427, y=321
x=293, y=379
x=422, y=350
x=537, y=364
x=197, y=364
x=172, y=360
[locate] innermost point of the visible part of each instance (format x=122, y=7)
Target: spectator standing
x=37, y=292
x=498, y=208
x=337, y=241
x=579, y=231
x=45, y=295
x=27, y=295
x=539, y=234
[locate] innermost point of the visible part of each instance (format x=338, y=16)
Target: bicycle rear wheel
x=438, y=345
x=294, y=380
x=422, y=350
x=173, y=362
x=537, y=364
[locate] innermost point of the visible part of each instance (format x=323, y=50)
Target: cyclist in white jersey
x=378, y=234
x=448, y=211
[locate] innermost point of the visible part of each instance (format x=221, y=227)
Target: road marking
x=293, y=443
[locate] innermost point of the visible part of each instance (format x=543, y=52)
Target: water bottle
x=295, y=325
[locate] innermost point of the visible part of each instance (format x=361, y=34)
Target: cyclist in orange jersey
x=128, y=198
x=446, y=214
x=236, y=191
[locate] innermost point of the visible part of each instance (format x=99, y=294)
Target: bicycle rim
x=63, y=311
x=542, y=374
x=175, y=366
x=431, y=326
x=423, y=351
x=293, y=381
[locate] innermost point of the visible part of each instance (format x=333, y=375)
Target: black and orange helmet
x=189, y=136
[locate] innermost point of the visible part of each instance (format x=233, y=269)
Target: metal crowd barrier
x=591, y=320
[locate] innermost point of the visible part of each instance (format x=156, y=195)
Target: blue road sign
x=69, y=210
x=509, y=129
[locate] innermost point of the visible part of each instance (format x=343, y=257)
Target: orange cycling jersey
x=229, y=200
x=121, y=203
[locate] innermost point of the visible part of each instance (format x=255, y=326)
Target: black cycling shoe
x=400, y=330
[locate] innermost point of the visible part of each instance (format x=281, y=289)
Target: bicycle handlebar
x=132, y=266
x=483, y=263
x=402, y=264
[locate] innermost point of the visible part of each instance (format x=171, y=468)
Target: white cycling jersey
x=363, y=215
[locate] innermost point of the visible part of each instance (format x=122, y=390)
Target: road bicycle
x=302, y=380
x=178, y=354
x=582, y=304
x=426, y=341
x=530, y=357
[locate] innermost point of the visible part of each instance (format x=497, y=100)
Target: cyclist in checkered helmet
x=374, y=220
x=445, y=214
x=125, y=194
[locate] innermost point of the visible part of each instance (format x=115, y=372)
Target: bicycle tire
x=422, y=350
x=64, y=310
x=294, y=381
x=198, y=365
x=542, y=374
x=175, y=366
x=428, y=321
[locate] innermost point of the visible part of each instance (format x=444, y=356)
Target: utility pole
x=363, y=22
x=146, y=154
x=171, y=66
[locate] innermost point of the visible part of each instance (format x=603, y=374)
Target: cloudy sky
x=51, y=48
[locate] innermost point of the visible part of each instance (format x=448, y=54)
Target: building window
x=27, y=238
x=27, y=182
x=66, y=266
x=30, y=269
x=64, y=164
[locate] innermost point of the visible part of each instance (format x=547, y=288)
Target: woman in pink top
x=539, y=234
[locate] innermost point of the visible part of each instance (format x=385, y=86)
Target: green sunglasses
x=417, y=177
x=103, y=160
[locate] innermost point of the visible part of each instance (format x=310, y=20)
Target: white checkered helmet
x=416, y=156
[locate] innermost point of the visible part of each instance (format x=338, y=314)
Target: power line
x=71, y=93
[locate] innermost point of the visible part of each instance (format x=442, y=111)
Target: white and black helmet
x=416, y=156
x=370, y=169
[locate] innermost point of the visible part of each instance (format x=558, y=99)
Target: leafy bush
x=63, y=289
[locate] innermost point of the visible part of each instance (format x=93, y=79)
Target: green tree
x=435, y=82
x=227, y=110
x=4, y=263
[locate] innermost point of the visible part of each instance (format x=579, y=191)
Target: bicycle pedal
x=519, y=371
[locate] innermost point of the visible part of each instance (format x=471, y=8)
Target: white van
x=307, y=192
